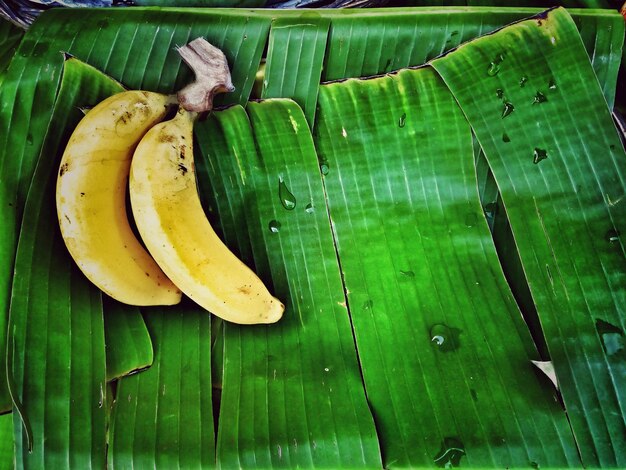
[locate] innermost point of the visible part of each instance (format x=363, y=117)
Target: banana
x=91, y=199
x=167, y=210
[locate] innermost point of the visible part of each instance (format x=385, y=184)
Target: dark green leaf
x=10, y=37
x=6, y=442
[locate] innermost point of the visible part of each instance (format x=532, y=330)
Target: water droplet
x=402, y=120
x=612, y=338
x=470, y=219
x=534, y=464
x=444, y=338
x=287, y=199
x=274, y=226
x=500, y=93
x=409, y=274
x=505, y=138
x=539, y=98
x=539, y=154
x=552, y=84
x=508, y=109
x=452, y=449
x=368, y=304
x=309, y=208
x=612, y=236
x=474, y=394
x=494, y=65
x=29, y=139
x=522, y=81
x=493, y=69
x=454, y=33
x=324, y=168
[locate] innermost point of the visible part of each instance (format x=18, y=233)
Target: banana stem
x=210, y=67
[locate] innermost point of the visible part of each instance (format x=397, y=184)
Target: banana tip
x=276, y=312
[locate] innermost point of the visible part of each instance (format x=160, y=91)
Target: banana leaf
x=444, y=351
x=163, y=417
x=56, y=330
x=365, y=45
x=291, y=392
x=128, y=345
x=567, y=229
x=28, y=93
x=10, y=37
x=30, y=89
x=498, y=220
x=295, y=59
x=6, y=442
x=150, y=62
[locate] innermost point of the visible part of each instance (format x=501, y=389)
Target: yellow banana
x=172, y=223
x=91, y=199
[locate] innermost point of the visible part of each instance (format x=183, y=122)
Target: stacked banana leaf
x=383, y=211
x=24, y=12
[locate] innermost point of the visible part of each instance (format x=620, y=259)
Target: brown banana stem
x=210, y=67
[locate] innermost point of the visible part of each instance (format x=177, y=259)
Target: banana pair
x=124, y=140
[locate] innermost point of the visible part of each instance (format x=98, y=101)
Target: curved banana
x=91, y=199
x=172, y=223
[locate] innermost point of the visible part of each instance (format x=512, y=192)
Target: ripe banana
x=91, y=199
x=172, y=223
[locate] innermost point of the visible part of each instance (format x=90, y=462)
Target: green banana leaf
x=128, y=345
x=163, y=417
x=292, y=42
x=498, y=221
x=280, y=406
x=423, y=278
x=32, y=81
x=366, y=45
x=310, y=411
x=6, y=442
x=10, y=37
x=56, y=329
x=29, y=92
x=566, y=229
